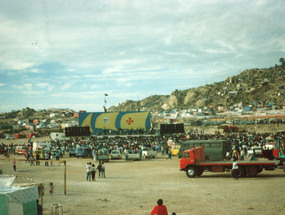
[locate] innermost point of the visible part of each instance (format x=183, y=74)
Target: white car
x=148, y=153
x=257, y=150
x=116, y=154
x=10, y=138
x=133, y=156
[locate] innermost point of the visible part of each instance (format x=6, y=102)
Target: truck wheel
x=240, y=172
x=199, y=172
x=259, y=169
x=251, y=171
x=191, y=172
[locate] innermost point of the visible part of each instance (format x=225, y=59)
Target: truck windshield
x=186, y=155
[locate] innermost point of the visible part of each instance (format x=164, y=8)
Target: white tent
x=20, y=199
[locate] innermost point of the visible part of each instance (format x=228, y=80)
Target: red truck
x=194, y=164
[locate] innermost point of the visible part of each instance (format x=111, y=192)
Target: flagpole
x=105, y=102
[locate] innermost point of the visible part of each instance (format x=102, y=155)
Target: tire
x=240, y=172
x=259, y=169
x=199, y=172
x=191, y=172
x=251, y=171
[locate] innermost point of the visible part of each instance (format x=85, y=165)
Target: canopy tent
x=20, y=199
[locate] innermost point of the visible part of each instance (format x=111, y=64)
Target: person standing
x=37, y=160
x=99, y=167
x=169, y=154
x=94, y=154
x=159, y=209
x=235, y=154
x=126, y=155
x=51, y=158
x=46, y=158
x=162, y=150
x=93, y=172
x=235, y=169
x=88, y=171
x=103, y=169
x=253, y=157
x=14, y=165
x=242, y=154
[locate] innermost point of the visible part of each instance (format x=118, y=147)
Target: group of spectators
x=134, y=144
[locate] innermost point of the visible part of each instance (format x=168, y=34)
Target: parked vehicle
x=21, y=150
x=9, y=137
x=72, y=152
x=41, y=146
x=116, y=154
x=215, y=150
x=54, y=151
x=257, y=150
x=103, y=155
x=148, y=153
x=274, y=150
x=41, y=154
x=83, y=152
x=57, y=136
x=175, y=150
x=133, y=156
x=3, y=151
x=194, y=164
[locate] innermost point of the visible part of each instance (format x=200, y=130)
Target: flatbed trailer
x=193, y=163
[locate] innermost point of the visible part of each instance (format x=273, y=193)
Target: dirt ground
x=133, y=187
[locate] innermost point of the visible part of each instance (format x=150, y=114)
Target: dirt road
x=133, y=187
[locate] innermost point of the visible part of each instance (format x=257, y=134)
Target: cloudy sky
x=68, y=54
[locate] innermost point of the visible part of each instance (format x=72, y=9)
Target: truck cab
x=274, y=150
x=191, y=157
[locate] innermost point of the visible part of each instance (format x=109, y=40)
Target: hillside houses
x=205, y=114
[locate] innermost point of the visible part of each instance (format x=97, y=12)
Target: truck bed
x=240, y=163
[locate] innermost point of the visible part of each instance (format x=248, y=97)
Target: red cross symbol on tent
x=129, y=120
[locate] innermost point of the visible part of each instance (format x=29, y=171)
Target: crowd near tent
x=20, y=199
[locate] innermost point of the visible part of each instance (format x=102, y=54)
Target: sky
x=69, y=54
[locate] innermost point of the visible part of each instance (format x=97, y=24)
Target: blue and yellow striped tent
x=115, y=121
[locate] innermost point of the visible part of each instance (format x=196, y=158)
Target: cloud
x=66, y=86
x=131, y=48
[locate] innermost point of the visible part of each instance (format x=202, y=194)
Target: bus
x=214, y=150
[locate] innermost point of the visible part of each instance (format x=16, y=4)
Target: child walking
x=51, y=187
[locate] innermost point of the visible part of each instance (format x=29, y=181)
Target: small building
x=20, y=199
x=232, y=93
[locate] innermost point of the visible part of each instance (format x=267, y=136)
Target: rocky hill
x=251, y=87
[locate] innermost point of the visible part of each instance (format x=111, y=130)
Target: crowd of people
x=133, y=144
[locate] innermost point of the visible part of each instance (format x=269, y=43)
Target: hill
x=251, y=87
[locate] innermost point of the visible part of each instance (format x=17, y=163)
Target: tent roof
x=20, y=193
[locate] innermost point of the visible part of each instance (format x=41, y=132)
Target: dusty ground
x=134, y=187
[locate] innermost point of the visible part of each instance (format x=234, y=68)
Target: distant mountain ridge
x=251, y=87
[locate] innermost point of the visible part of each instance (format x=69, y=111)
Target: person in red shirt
x=159, y=209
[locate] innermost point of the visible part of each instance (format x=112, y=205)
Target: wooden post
x=64, y=162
